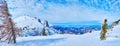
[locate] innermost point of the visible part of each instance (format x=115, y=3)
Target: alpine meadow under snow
x=59, y=22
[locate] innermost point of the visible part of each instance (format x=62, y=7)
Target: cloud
x=59, y=12
x=75, y=13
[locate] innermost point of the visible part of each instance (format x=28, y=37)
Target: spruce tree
x=104, y=30
x=43, y=32
x=114, y=24
x=45, y=27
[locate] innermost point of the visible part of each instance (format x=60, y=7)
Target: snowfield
x=88, y=39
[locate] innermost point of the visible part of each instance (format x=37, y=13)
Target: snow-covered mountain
x=24, y=21
x=31, y=26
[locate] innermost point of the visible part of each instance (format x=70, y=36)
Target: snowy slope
x=115, y=34
x=88, y=39
x=35, y=40
x=24, y=21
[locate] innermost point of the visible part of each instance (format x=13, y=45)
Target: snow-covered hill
x=24, y=21
x=31, y=26
x=115, y=33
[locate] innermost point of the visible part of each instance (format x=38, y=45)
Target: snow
x=114, y=35
x=31, y=26
x=36, y=40
x=54, y=12
x=24, y=21
x=88, y=39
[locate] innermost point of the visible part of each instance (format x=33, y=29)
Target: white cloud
x=57, y=13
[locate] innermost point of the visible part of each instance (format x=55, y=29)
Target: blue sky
x=108, y=5
x=66, y=11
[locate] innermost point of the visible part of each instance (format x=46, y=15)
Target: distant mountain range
x=77, y=29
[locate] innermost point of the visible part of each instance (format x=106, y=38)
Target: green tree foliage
x=90, y=31
x=104, y=30
x=43, y=32
x=45, y=25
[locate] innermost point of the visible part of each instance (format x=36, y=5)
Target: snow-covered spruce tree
x=8, y=31
x=114, y=24
x=104, y=30
x=45, y=25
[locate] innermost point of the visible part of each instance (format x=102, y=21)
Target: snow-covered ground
x=88, y=39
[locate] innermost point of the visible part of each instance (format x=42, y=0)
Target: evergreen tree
x=45, y=28
x=43, y=32
x=104, y=30
x=114, y=24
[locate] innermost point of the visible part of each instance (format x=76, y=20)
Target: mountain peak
x=24, y=21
